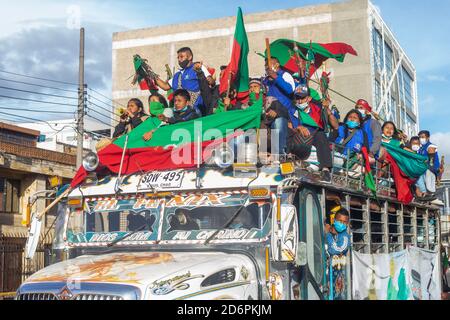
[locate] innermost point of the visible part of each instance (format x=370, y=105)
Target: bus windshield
x=189, y=217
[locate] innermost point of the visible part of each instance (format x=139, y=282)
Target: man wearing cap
x=309, y=122
x=186, y=78
x=371, y=127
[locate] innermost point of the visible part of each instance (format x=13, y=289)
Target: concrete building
x=61, y=136
x=382, y=73
x=25, y=175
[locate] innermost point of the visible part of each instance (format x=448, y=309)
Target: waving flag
x=406, y=168
x=315, y=53
x=157, y=153
x=238, y=66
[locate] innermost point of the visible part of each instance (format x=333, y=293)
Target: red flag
x=403, y=183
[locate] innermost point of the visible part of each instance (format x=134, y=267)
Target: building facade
x=26, y=173
x=61, y=135
x=382, y=73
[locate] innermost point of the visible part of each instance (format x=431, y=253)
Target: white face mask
x=303, y=106
x=362, y=112
x=415, y=147
x=423, y=141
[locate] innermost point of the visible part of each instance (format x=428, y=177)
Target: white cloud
x=436, y=78
x=442, y=140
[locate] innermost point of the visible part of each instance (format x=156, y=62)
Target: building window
x=393, y=110
x=408, y=88
x=377, y=50
x=9, y=195
x=410, y=126
x=389, y=60
x=377, y=88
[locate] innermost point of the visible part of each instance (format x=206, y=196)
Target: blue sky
x=420, y=26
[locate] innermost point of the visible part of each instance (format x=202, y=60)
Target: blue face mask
x=183, y=110
x=352, y=124
x=339, y=226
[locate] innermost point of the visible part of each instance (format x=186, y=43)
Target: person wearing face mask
x=338, y=242
x=183, y=111
x=308, y=120
x=426, y=185
x=157, y=106
x=351, y=136
x=371, y=127
x=414, y=144
x=186, y=78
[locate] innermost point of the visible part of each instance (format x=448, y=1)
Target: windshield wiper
x=225, y=226
x=127, y=235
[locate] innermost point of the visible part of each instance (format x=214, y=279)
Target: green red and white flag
x=174, y=146
x=406, y=168
x=315, y=53
x=141, y=77
x=237, y=70
x=368, y=175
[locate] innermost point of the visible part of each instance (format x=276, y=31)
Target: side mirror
x=301, y=258
x=33, y=237
x=285, y=234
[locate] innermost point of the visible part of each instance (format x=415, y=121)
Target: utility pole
x=81, y=102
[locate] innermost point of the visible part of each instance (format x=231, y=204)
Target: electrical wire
x=31, y=110
x=91, y=116
x=38, y=78
x=40, y=93
x=28, y=118
x=112, y=112
x=39, y=101
x=102, y=114
x=38, y=85
x=106, y=97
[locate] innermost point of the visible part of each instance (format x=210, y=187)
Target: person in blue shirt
x=186, y=78
x=280, y=86
x=337, y=238
x=371, y=127
x=351, y=136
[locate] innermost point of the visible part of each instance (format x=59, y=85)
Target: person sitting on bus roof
x=157, y=108
x=351, y=135
x=132, y=117
x=337, y=237
x=390, y=135
x=371, y=126
x=183, y=111
x=426, y=185
x=308, y=119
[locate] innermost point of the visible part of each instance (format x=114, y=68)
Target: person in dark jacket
x=183, y=111
x=132, y=117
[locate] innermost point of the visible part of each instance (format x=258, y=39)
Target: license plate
x=161, y=180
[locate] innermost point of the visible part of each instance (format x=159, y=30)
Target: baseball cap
x=302, y=92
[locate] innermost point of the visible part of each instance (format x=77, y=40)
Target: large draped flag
x=285, y=51
x=237, y=70
x=171, y=143
x=406, y=168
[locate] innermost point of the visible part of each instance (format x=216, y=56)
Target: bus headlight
x=90, y=161
x=223, y=156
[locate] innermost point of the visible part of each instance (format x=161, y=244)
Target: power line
x=106, y=97
x=39, y=101
x=109, y=111
x=105, y=103
x=31, y=110
x=40, y=93
x=37, y=78
x=91, y=116
x=28, y=118
x=38, y=85
x=102, y=114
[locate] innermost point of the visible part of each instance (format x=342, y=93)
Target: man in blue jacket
x=427, y=182
x=186, y=78
x=280, y=86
